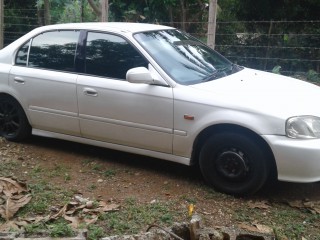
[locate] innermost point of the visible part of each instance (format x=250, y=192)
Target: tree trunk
x=212, y=22
x=95, y=8
x=171, y=16
x=1, y=23
x=183, y=15
x=82, y=11
x=104, y=10
x=47, y=17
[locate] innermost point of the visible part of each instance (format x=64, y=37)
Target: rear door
x=44, y=79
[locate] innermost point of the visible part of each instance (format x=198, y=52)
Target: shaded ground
x=113, y=176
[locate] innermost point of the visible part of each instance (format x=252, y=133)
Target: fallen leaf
x=9, y=226
x=312, y=206
x=296, y=204
x=259, y=205
x=264, y=228
x=247, y=227
x=74, y=221
x=12, y=197
x=91, y=220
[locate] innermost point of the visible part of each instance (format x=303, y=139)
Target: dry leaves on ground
x=312, y=206
x=258, y=228
x=82, y=211
x=13, y=196
x=259, y=204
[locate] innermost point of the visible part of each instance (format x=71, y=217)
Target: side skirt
x=164, y=156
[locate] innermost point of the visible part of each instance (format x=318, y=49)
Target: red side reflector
x=188, y=117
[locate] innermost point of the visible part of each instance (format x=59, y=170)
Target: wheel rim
x=232, y=164
x=9, y=119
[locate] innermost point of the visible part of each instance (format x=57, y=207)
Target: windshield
x=184, y=58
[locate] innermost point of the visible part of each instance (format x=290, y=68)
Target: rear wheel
x=234, y=163
x=14, y=125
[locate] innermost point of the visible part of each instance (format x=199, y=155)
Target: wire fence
x=292, y=46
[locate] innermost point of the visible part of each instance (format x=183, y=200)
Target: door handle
x=90, y=92
x=19, y=80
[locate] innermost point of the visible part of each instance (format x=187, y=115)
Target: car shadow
x=275, y=191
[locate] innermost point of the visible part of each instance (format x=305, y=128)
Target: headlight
x=303, y=127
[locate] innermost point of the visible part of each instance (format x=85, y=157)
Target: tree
x=102, y=9
x=212, y=23
x=1, y=23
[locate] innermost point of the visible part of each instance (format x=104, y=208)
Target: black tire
x=14, y=125
x=234, y=163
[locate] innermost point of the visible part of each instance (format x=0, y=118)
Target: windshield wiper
x=218, y=73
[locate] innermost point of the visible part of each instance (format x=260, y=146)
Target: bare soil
x=109, y=175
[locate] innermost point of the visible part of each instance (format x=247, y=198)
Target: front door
x=116, y=111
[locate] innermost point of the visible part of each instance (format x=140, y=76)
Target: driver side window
x=111, y=56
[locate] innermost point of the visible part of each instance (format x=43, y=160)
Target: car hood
x=265, y=93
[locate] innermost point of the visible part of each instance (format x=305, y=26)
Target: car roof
x=108, y=26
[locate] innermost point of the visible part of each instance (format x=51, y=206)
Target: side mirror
x=142, y=75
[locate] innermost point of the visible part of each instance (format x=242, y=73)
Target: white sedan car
x=156, y=91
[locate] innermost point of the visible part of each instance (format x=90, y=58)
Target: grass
x=130, y=219
x=95, y=232
x=60, y=228
x=7, y=166
x=135, y=216
x=287, y=222
x=109, y=173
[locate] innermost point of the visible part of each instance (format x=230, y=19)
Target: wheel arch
x=219, y=128
x=4, y=94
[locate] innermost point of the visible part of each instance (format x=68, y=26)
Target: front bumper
x=297, y=160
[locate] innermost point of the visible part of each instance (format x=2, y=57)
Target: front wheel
x=14, y=125
x=234, y=163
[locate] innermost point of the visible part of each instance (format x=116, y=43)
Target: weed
x=60, y=229
x=95, y=232
x=35, y=229
x=291, y=221
x=7, y=166
x=134, y=216
x=96, y=167
x=109, y=173
x=36, y=170
x=67, y=177
x=92, y=187
x=189, y=199
x=86, y=161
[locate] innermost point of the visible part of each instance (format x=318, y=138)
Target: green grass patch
x=109, y=173
x=60, y=228
x=134, y=216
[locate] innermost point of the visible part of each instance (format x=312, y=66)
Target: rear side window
x=54, y=50
x=111, y=56
x=22, y=55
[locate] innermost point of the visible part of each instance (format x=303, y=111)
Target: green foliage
x=276, y=69
x=313, y=76
x=239, y=37
x=133, y=216
x=95, y=232
x=35, y=229
x=60, y=229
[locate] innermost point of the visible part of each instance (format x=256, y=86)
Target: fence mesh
x=265, y=45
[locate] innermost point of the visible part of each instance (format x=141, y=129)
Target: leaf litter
x=14, y=195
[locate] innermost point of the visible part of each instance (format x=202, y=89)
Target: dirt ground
x=99, y=173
